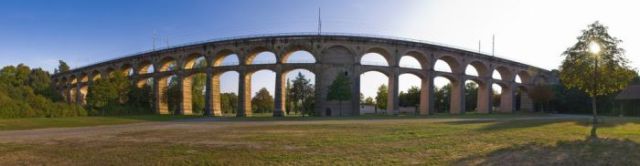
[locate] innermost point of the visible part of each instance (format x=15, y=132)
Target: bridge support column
x=208, y=97
x=392, y=93
x=244, y=94
x=186, y=104
x=506, y=99
x=215, y=95
x=457, y=105
x=279, y=100
x=320, y=92
x=484, y=97
x=355, y=96
x=426, y=95
x=161, y=106
x=79, y=96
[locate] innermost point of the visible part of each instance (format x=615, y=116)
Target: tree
x=411, y=98
x=442, y=98
x=381, y=97
x=301, y=90
x=262, y=102
x=541, y=94
x=110, y=91
x=62, y=67
x=471, y=96
x=595, y=53
x=369, y=101
x=228, y=102
x=198, y=82
x=340, y=90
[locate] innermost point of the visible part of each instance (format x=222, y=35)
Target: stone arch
x=84, y=77
x=337, y=54
x=452, y=62
x=109, y=71
x=190, y=61
x=480, y=67
x=420, y=57
x=127, y=69
x=524, y=76
x=144, y=67
x=255, y=52
x=220, y=56
x=290, y=50
x=167, y=64
x=389, y=58
x=95, y=75
x=505, y=73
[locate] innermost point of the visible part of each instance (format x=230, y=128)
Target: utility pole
x=479, y=46
x=154, y=38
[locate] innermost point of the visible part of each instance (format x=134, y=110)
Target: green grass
x=502, y=140
x=37, y=123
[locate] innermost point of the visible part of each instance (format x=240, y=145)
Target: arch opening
x=261, y=85
x=167, y=64
x=374, y=88
x=374, y=59
x=227, y=60
x=225, y=94
x=264, y=57
x=195, y=61
x=299, y=92
x=442, y=94
x=409, y=61
x=410, y=94
x=300, y=56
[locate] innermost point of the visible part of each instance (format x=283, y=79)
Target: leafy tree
x=411, y=98
x=541, y=94
x=381, y=97
x=198, y=82
x=229, y=102
x=340, y=90
x=62, y=67
x=172, y=95
x=262, y=102
x=596, y=53
x=288, y=91
x=302, y=90
x=113, y=90
x=471, y=96
x=369, y=101
x=442, y=97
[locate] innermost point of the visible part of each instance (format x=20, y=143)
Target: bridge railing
x=304, y=34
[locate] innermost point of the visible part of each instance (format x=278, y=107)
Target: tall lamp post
x=594, y=49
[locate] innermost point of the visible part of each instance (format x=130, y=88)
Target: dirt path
x=111, y=131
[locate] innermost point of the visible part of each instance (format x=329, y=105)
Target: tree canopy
x=340, y=90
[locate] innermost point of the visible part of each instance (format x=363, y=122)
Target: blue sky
x=39, y=32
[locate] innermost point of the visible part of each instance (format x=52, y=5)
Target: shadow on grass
x=494, y=125
x=580, y=152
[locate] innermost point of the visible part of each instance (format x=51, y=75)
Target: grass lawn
x=36, y=123
x=440, y=140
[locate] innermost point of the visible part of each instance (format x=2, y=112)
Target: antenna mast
x=479, y=46
x=493, y=45
x=153, y=38
x=319, y=21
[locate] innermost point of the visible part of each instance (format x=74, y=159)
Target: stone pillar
x=279, y=99
x=208, y=100
x=320, y=92
x=186, y=105
x=426, y=95
x=506, y=98
x=393, y=100
x=526, y=104
x=355, y=96
x=159, y=84
x=244, y=95
x=484, y=104
x=457, y=104
x=215, y=94
x=79, y=95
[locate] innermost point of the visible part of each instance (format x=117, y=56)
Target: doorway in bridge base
x=261, y=87
x=299, y=92
x=374, y=92
x=225, y=94
x=410, y=94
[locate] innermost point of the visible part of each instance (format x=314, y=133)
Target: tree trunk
x=595, y=117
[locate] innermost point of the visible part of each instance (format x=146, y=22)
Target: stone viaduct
x=334, y=54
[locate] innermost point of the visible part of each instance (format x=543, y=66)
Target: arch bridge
x=332, y=54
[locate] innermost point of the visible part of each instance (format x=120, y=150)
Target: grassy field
x=37, y=123
x=441, y=140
